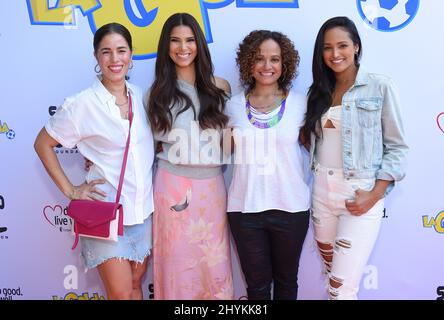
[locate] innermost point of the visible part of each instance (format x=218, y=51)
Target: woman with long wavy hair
x=191, y=250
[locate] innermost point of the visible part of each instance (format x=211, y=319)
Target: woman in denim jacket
x=357, y=151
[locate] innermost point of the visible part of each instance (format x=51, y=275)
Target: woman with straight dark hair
x=191, y=249
x=354, y=129
x=97, y=120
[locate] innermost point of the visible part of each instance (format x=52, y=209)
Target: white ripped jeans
x=344, y=241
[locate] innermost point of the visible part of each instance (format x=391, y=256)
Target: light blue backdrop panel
x=42, y=63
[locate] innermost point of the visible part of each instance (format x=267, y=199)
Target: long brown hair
x=324, y=80
x=165, y=92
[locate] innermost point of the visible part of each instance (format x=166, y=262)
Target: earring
x=131, y=66
x=95, y=68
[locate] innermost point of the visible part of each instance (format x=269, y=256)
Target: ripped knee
x=326, y=251
x=343, y=243
x=334, y=284
x=324, y=246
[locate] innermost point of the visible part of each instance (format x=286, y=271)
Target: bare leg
x=138, y=271
x=116, y=275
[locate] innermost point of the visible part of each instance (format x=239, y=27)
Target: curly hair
x=249, y=49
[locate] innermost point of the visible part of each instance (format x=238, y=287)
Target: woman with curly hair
x=268, y=199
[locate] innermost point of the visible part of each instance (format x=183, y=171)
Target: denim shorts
x=134, y=245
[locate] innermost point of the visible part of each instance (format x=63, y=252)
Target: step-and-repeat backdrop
x=46, y=54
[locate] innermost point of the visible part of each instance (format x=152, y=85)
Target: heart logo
x=440, y=121
x=50, y=212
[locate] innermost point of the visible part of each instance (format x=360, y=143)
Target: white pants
x=345, y=241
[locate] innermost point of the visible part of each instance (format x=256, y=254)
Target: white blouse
x=91, y=121
x=268, y=163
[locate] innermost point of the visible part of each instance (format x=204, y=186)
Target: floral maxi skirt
x=191, y=248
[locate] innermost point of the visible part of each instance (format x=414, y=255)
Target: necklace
x=123, y=112
x=267, y=122
x=122, y=104
x=269, y=108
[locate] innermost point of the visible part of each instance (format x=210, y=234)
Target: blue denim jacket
x=373, y=144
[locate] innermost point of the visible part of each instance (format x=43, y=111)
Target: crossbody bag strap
x=125, y=156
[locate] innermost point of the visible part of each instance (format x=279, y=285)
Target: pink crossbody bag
x=101, y=219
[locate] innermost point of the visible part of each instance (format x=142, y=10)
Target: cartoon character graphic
x=143, y=18
x=9, y=133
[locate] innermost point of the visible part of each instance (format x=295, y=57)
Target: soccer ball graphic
x=388, y=15
x=10, y=134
